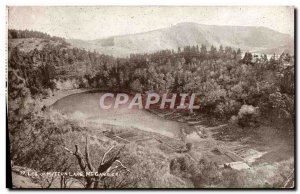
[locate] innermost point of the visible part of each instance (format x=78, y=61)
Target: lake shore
x=59, y=94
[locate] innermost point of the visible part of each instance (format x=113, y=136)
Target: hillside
x=29, y=44
x=254, y=39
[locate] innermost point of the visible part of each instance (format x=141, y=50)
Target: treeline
x=15, y=34
x=227, y=83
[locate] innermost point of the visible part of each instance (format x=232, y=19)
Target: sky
x=88, y=23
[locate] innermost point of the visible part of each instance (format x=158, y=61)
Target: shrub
x=248, y=116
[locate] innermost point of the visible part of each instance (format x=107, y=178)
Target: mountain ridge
x=249, y=38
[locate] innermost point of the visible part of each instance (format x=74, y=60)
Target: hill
x=248, y=38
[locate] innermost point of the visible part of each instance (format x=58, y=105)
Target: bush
x=205, y=173
x=226, y=109
x=247, y=116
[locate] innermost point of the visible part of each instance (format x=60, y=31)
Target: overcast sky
x=100, y=22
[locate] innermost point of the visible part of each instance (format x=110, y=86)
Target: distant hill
x=248, y=38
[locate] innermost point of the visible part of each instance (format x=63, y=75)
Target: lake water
x=84, y=107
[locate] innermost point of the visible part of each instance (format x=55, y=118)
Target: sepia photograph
x=151, y=97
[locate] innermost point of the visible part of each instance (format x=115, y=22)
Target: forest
x=245, y=89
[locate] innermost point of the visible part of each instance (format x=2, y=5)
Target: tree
x=221, y=51
x=203, y=51
x=247, y=58
x=213, y=52
x=105, y=167
x=238, y=54
x=179, y=50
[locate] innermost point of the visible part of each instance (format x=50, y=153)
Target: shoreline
x=47, y=102
x=59, y=94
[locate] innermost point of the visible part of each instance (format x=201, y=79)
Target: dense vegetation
x=222, y=79
x=16, y=34
x=248, y=90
